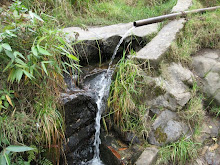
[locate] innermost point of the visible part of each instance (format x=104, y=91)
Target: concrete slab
x=181, y=5
x=105, y=32
x=154, y=50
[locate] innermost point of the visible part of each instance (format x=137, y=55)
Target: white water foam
x=103, y=86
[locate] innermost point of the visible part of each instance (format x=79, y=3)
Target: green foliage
x=194, y=112
x=215, y=111
x=6, y=154
x=100, y=12
x=6, y=99
x=178, y=152
x=201, y=31
x=126, y=97
x=33, y=58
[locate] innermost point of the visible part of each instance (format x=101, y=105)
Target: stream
x=102, y=88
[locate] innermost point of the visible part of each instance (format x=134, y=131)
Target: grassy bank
x=102, y=12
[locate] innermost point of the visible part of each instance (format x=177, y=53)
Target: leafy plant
x=6, y=154
x=33, y=58
x=6, y=99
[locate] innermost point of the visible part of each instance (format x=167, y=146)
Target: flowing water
x=103, y=87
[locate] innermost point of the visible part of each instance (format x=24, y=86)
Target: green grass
x=194, y=112
x=126, y=100
x=101, y=12
x=201, y=31
x=178, y=152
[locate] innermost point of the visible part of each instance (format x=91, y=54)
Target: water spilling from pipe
x=103, y=87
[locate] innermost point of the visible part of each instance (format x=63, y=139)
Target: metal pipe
x=171, y=16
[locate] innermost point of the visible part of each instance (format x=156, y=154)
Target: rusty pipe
x=171, y=16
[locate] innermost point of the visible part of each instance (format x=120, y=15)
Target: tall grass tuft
x=179, y=152
x=126, y=97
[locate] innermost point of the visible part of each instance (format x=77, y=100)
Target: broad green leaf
x=34, y=50
x=61, y=40
x=9, y=54
x=11, y=76
x=19, y=61
x=44, y=68
x=40, y=40
x=6, y=104
x=16, y=53
x=2, y=159
x=43, y=51
x=30, y=76
x=64, y=50
x=6, y=46
x=19, y=148
x=5, y=141
x=33, y=15
x=10, y=64
x=18, y=75
x=22, y=66
x=1, y=106
x=7, y=159
x=10, y=33
x=73, y=57
x=16, y=14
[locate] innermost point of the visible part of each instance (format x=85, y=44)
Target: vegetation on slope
x=31, y=77
x=34, y=55
x=200, y=31
x=99, y=12
x=33, y=58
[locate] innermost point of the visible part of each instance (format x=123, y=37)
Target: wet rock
x=88, y=51
x=206, y=64
x=107, y=155
x=130, y=138
x=115, y=151
x=83, y=153
x=71, y=82
x=148, y=157
x=76, y=139
x=166, y=128
x=80, y=111
x=210, y=129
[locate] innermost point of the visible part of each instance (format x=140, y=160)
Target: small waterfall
x=103, y=89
